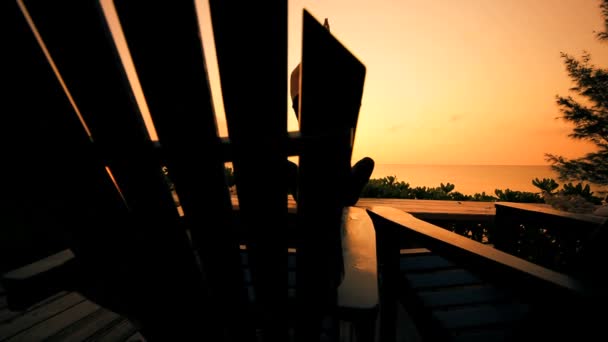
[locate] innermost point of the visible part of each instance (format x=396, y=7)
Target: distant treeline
x=390, y=187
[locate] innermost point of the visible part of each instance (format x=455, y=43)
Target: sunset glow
x=452, y=82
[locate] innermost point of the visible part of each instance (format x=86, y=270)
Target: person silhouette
x=360, y=172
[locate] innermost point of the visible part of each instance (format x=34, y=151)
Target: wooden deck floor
x=65, y=316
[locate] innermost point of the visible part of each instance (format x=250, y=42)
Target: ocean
x=470, y=179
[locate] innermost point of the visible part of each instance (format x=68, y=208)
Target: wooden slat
x=358, y=291
x=54, y=199
x=119, y=332
x=56, y=323
x=38, y=280
x=39, y=314
x=257, y=125
x=169, y=60
x=59, y=184
x=78, y=40
x=291, y=274
x=137, y=337
x=75, y=54
x=331, y=88
x=6, y=315
x=44, y=265
x=87, y=327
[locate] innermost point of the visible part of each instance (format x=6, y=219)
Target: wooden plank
x=56, y=25
x=39, y=314
x=38, y=280
x=291, y=273
x=257, y=127
x=56, y=323
x=79, y=43
x=358, y=294
x=172, y=54
x=331, y=88
x=247, y=278
x=137, y=337
x=45, y=193
x=87, y=327
x=47, y=198
x=443, y=278
x=481, y=315
x=79, y=40
x=358, y=291
x=461, y=296
x=424, y=263
x=6, y=315
x=43, y=265
x=118, y=332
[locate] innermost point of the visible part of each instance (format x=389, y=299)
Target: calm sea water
x=469, y=179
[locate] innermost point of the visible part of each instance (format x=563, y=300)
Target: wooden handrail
x=499, y=265
x=545, y=209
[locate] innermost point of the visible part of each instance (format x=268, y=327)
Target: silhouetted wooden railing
x=459, y=289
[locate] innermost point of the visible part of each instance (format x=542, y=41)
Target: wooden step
x=461, y=296
x=482, y=315
x=441, y=278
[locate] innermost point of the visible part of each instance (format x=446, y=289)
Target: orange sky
x=453, y=82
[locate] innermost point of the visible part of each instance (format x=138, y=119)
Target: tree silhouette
x=590, y=120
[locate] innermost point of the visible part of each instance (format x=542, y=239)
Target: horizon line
x=429, y=164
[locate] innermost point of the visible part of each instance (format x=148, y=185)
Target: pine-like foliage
x=590, y=119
